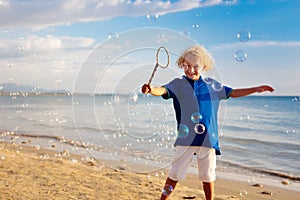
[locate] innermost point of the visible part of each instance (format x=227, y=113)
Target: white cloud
x=36, y=14
x=33, y=43
x=274, y=43
x=43, y=60
x=264, y=43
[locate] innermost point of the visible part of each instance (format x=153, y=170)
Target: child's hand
x=264, y=88
x=146, y=88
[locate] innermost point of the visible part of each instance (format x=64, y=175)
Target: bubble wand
x=157, y=62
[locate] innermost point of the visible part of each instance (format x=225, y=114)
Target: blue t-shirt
x=196, y=103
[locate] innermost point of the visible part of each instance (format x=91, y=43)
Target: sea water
x=259, y=134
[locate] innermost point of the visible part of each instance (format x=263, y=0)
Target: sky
x=53, y=44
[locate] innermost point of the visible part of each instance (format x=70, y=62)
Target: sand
x=31, y=173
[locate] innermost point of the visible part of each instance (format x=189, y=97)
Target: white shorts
x=206, y=158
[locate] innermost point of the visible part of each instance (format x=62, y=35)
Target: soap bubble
x=251, y=181
x=58, y=81
x=128, y=124
x=113, y=35
x=199, y=128
x=243, y=193
x=240, y=55
x=183, y=131
x=195, y=26
x=162, y=39
x=152, y=17
x=167, y=190
x=196, y=117
x=217, y=86
x=243, y=35
x=133, y=99
x=208, y=80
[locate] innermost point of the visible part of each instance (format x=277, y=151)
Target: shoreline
x=70, y=93
x=132, y=164
x=27, y=172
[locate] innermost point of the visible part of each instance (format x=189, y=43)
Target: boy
x=196, y=101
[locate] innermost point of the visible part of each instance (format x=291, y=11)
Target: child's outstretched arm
x=247, y=91
x=155, y=91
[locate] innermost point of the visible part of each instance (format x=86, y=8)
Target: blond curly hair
x=199, y=51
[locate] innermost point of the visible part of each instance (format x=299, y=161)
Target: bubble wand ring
x=157, y=63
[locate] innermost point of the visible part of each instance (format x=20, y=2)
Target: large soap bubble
x=126, y=128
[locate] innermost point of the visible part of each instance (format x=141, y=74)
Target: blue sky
x=46, y=43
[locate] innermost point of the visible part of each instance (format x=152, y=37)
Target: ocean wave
x=140, y=153
x=236, y=128
x=251, y=142
x=60, y=139
x=97, y=129
x=112, y=149
x=259, y=170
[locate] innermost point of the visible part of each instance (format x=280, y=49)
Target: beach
x=31, y=173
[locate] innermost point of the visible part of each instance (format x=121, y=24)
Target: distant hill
x=13, y=87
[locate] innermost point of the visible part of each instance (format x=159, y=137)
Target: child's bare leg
x=168, y=188
x=208, y=188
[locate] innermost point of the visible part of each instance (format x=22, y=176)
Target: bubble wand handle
x=157, y=62
x=152, y=75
